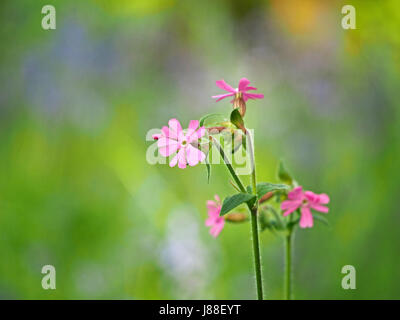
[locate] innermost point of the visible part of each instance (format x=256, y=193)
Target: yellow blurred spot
x=298, y=16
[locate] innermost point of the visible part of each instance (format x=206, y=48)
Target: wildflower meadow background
x=76, y=104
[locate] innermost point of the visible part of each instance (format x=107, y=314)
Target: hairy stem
x=253, y=212
x=288, y=266
x=229, y=166
x=254, y=220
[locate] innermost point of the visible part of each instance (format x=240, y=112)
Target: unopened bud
x=236, y=217
x=266, y=197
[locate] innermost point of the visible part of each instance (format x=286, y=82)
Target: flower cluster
x=277, y=207
x=183, y=148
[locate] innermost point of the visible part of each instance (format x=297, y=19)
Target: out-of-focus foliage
x=75, y=107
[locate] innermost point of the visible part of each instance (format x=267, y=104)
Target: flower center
x=184, y=142
x=239, y=95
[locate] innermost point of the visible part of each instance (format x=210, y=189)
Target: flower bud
x=266, y=197
x=236, y=217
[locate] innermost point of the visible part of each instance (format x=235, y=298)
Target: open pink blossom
x=242, y=90
x=305, y=201
x=175, y=140
x=214, y=220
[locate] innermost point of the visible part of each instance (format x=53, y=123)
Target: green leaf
x=264, y=187
x=283, y=174
x=234, y=201
x=237, y=119
x=212, y=118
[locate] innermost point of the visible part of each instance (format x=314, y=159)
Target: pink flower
x=241, y=90
x=306, y=201
x=214, y=220
x=174, y=140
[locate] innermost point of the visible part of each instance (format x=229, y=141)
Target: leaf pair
x=249, y=198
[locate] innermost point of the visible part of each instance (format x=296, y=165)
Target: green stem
x=229, y=166
x=254, y=219
x=252, y=162
x=253, y=212
x=256, y=252
x=288, y=266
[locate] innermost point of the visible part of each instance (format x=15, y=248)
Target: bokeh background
x=77, y=102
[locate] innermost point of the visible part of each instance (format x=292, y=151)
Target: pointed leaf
x=264, y=187
x=234, y=201
x=283, y=174
x=237, y=119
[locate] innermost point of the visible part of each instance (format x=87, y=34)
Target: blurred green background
x=76, y=103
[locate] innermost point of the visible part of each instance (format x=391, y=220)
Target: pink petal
x=223, y=85
x=253, y=95
x=306, y=220
x=194, y=155
x=289, y=211
x=197, y=135
x=222, y=96
x=287, y=204
x=217, y=228
x=166, y=146
x=249, y=88
x=169, y=133
x=319, y=208
x=193, y=124
x=190, y=134
x=211, y=204
x=174, y=161
x=324, y=198
x=213, y=209
x=182, y=158
x=210, y=221
x=243, y=83
x=311, y=196
x=217, y=198
x=175, y=127
x=214, y=213
x=296, y=194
